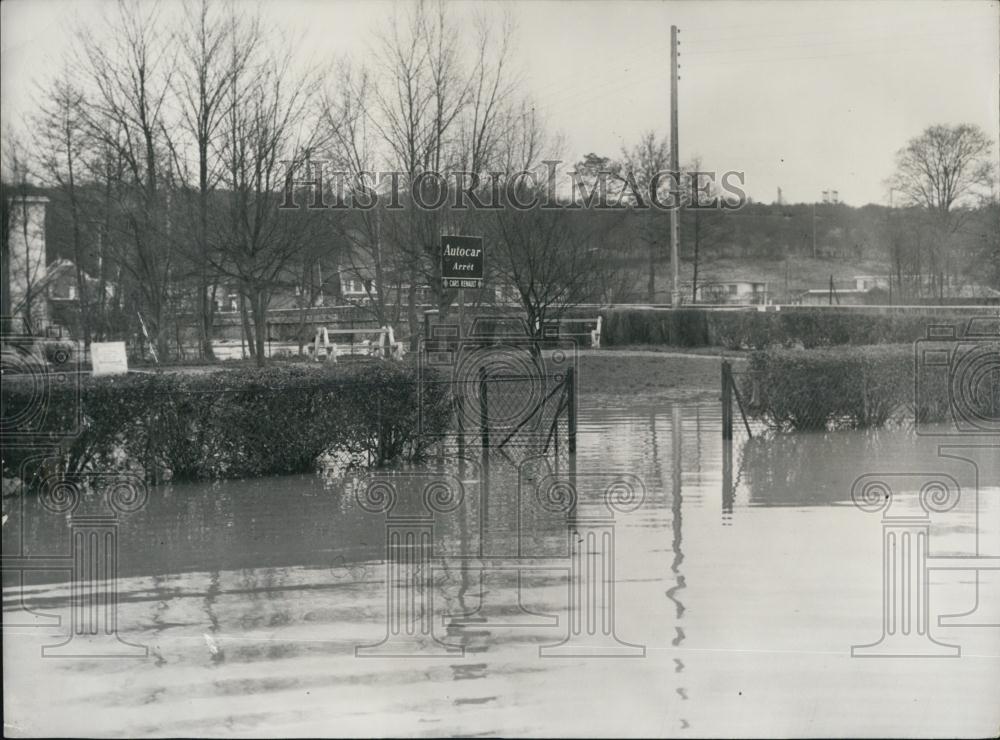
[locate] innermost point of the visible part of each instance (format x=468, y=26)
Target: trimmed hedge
x=234, y=423
x=682, y=327
x=751, y=329
x=829, y=388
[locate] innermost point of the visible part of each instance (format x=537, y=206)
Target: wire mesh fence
x=507, y=411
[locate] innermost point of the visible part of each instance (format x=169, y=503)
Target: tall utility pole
x=675, y=213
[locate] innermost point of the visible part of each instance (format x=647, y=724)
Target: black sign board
x=462, y=261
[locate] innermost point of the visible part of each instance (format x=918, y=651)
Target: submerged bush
x=829, y=388
x=230, y=423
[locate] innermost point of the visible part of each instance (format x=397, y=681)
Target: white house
x=871, y=282
x=736, y=292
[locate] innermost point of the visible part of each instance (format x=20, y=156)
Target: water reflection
x=224, y=526
x=255, y=596
x=676, y=528
x=818, y=469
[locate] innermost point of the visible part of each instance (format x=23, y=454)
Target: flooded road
x=655, y=584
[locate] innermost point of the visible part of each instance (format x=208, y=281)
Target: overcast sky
x=807, y=96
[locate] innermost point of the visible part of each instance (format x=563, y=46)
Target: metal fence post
x=571, y=407
x=727, y=400
x=484, y=425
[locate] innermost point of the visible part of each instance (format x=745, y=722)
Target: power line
x=811, y=45
x=627, y=82
x=636, y=55
x=711, y=31
x=874, y=52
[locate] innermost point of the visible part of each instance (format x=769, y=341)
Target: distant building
x=355, y=288
x=876, y=290
x=63, y=299
x=836, y=297
x=871, y=282
x=733, y=292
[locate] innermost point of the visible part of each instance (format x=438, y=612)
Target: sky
x=803, y=95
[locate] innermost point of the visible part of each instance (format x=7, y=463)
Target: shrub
x=742, y=329
x=828, y=388
x=809, y=327
x=236, y=423
x=681, y=327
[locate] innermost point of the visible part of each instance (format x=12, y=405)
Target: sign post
x=461, y=312
x=462, y=266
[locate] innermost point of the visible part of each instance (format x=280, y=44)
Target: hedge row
x=829, y=388
x=752, y=329
x=870, y=386
x=232, y=423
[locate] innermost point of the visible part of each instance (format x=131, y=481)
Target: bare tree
x=705, y=220
x=943, y=170
x=490, y=86
x=419, y=96
x=105, y=170
x=216, y=43
x=62, y=143
x=525, y=143
x=553, y=257
x=367, y=256
x=944, y=167
x=127, y=68
x=265, y=136
x=24, y=272
x=988, y=254
x=644, y=161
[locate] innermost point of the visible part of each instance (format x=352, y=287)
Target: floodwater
x=642, y=587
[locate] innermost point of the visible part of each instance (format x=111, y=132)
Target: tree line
x=166, y=141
